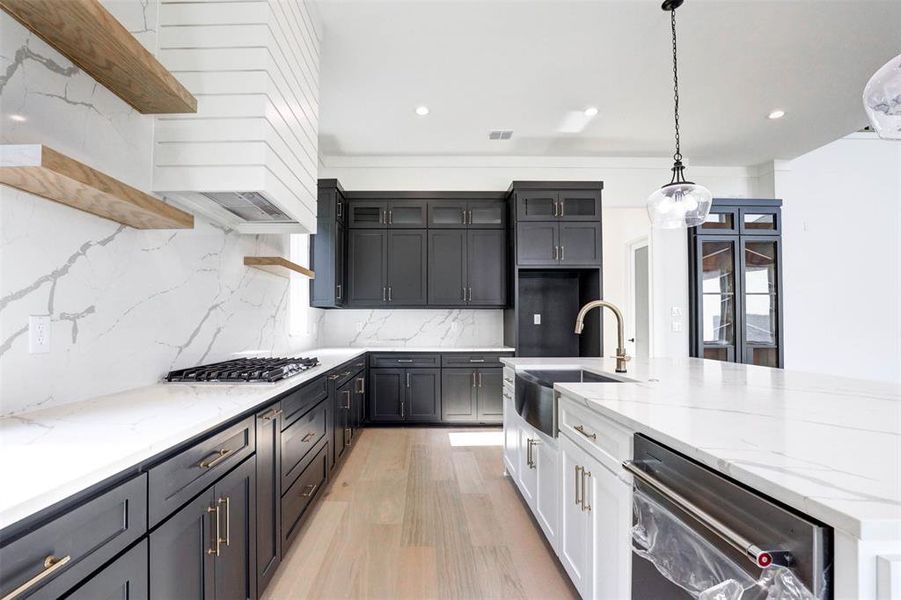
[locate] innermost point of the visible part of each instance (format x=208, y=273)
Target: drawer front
x=298, y=402
x=405, y=361
x=300, y=495
x=300, y=438
x=605, y=440
x=344, y=374
x=186, y=474
x=463, y=359
x=126, y=578
x=80, y=540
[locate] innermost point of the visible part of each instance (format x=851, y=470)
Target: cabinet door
x=268, y=489
x=340, y=265
x=511, y=439
x=407, y=214
x=407, y=267
x=367, y=267
x=611, y=510
x=716, y=283
x=448, y=214
x=447, y=267
x=123, y=579
x=536, y=205
x=486, y=267
x=386, y=389
x=181, y=565
x=536, y=243
x=367, y=214
x=490, y=399
x=235, y=567
x=458, y=395
x=343, y=412
x=760, y=304
x=423, y=395
x=580, y=244
x=576, y=537
x=528, y=469
x=487, y=214
x=324, y=261
x=359, y=402
x=580, y=205
x=547, y=492
x=760, y=221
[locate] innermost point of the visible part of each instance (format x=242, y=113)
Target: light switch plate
x=676, y=311
x=536, y=319
x=39, y=334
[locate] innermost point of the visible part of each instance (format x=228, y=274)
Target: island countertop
x=827, y=446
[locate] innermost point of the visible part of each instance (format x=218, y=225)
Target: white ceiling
x=525, y=65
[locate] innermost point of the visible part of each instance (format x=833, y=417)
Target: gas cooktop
x=244, y=370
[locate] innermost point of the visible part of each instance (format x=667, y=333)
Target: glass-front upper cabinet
x=736, y=286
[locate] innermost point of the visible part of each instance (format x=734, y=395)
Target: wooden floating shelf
x=88, y=35
x=47, y=173
x=277, y=265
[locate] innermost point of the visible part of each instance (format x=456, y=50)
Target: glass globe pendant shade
x=679, y=205
x=882, y=100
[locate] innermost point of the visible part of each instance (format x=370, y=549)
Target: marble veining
x=827, y=446
x=439, y=328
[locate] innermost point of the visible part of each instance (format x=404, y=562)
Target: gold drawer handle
x=581, y=430
x=51, y=565
x=272, y=414
x=218, y=457
x=308, y=437
x=312, y=489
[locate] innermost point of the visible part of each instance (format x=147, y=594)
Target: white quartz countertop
x=48, y=455
x=829, y=447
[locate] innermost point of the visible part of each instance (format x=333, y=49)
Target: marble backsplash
x=443, y=328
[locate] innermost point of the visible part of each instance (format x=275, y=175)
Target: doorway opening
x=638, y=286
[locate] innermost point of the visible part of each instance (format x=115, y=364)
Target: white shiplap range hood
x=247, y=159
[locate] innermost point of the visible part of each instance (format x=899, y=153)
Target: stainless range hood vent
x=252, y=207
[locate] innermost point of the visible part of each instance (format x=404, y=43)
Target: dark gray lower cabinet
x=268, y=483
x=405, y=395
x=123, y=579
x=206, y=550
x=472, y=395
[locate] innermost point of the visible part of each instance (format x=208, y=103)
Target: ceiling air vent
x=252, y=207
x=500, y=134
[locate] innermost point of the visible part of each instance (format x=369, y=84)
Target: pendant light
x=882, y=100
x=679, y=203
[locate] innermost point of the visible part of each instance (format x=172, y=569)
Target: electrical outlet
x=677, y=326
x=39, y=334
x=536, y=318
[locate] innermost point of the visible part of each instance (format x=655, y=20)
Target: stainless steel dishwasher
x=697, y=534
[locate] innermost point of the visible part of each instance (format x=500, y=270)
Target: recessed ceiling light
x=591, y=111
x=17, y=118
x=422, y=110
x=776, y=114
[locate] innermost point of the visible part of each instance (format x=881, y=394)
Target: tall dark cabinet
x=327, y=247
x=735, y=283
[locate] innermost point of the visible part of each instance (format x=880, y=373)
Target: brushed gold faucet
x=621, y=357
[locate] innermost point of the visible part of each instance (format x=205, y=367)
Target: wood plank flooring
x=409, y=515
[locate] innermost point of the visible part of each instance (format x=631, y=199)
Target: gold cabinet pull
x=308, y=437
x=347, y=403
x=215, y=551
x=52, y=564
x=269, y=416
x=310, y=491
x=228, y=519
x=217, y=457
x=580, y=429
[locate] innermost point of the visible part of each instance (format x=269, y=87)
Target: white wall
x=842, y=263
x=126, y=306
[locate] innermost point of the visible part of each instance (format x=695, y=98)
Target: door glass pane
x=538, y=207
x=760, y=267
x=367, y=214
x=760, y=318
x=718, y=291
x=407, y=215
x=716, y=220
x=486, y=214
x=760, y=221
x=447, y=215
x=579, y=207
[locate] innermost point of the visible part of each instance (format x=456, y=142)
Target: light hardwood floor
x=409, y=515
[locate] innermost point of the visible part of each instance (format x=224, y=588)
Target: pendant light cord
x=678, y=155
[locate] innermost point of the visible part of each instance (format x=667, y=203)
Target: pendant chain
x=678, y=155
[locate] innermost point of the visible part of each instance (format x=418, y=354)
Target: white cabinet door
x=611, y=509
x=528, y=469
x=576, y=534
x=548, y=495
x=511, y=441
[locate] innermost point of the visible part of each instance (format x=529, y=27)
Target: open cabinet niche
x=556, y=295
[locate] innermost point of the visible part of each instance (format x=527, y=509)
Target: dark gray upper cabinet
x=387, y=214
x=268, y=490
x=327, y=249
x=447, y=267
x=467, y=214
x=537, y=243
x=407, y=279
x=407, y=214
x=579, y=244
x=367, y=267
x=487, y=214
x=486, y=268
x=562, y=205
x=536, y=205
x=331, y=203
x=367, y=214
